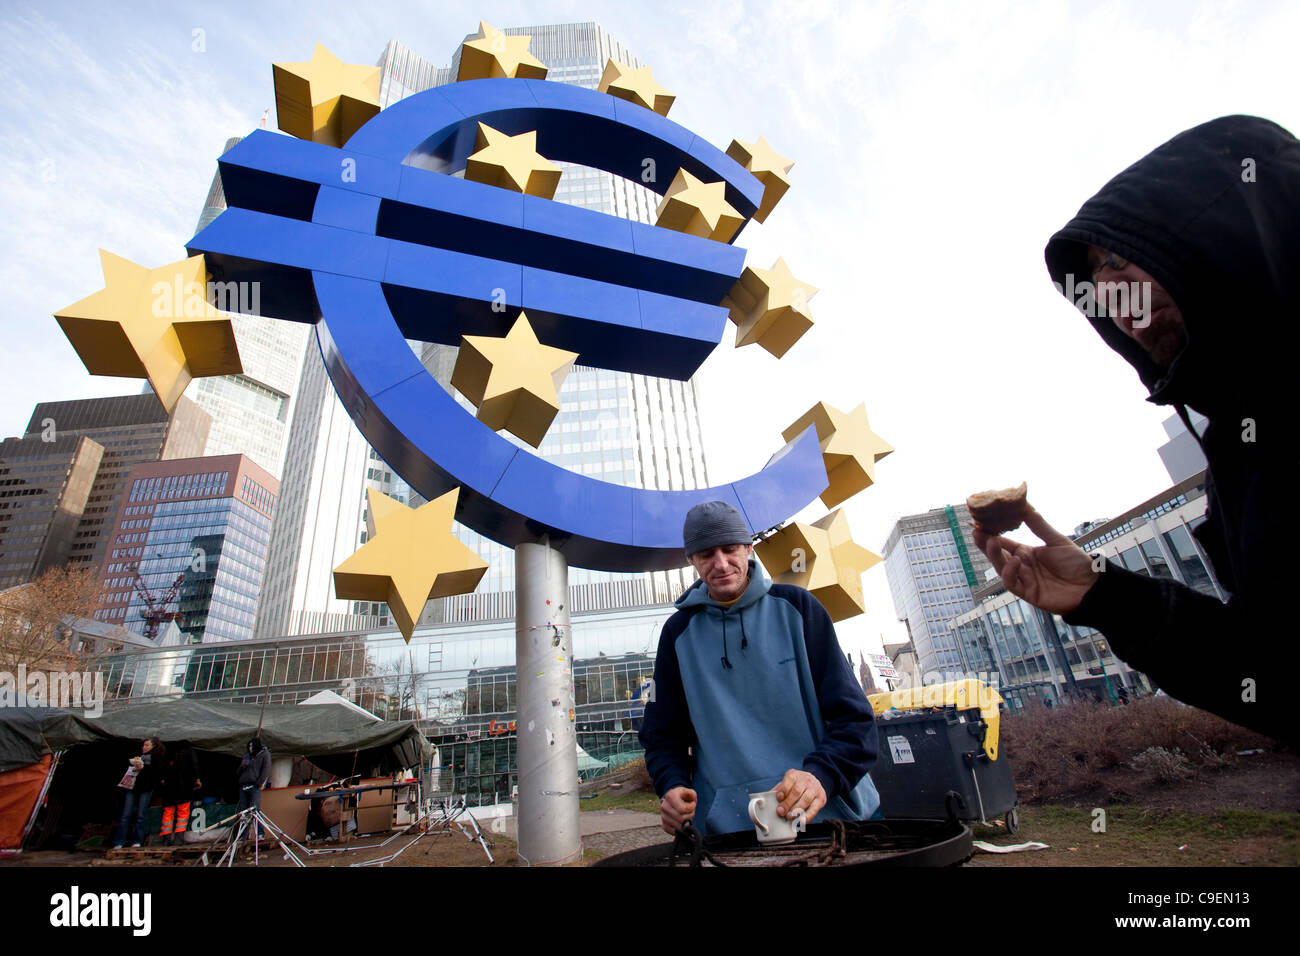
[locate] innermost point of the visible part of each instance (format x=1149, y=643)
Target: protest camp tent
x=26, y=762
x=83, y=757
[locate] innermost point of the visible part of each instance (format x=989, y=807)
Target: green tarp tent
x=331, y=736
x=26, y=732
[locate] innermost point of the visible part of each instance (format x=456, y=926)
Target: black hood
x=1226, y=249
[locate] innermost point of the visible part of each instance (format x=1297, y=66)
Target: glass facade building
x=933, y=568
x=191, y=540
x=1155, y=538
x=44, y=487
x=458, y=680
x=1030, y=655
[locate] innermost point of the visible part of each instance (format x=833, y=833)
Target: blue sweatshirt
x=756, y=689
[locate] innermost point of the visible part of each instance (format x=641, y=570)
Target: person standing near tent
x=254, y=772
x=181, y=786
x=135, y=807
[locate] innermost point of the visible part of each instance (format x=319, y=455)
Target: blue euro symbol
x=375, y=243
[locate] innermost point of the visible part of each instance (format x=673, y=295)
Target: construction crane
x=155, y=613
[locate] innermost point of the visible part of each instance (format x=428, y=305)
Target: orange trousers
x=175, y=819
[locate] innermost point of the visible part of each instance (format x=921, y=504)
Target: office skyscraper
x=933, y=568
x=44, y=487
x=196, y=526
x=615, y=426
x=130, y=429
x=251, y=411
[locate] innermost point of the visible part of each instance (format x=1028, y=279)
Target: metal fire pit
x=837, y=843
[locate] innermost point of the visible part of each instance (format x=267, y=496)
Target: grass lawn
x=643, y=801
x=1137, y=836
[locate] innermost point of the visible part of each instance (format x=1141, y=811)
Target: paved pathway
x=593, y=822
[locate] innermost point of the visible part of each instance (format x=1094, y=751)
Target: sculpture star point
x=325, y=100
x=511, y=162
x=636, y=86
x=770, y=307
x=155, y=324
x=492, y=54
x=514, y=380
x=699, y=208
x=410, y=557
x=850, y=449
x=768, y=166
x=823, y=558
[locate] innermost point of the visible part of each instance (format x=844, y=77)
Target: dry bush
x=1067, y=749
x=1168, y=766
x=640, y=776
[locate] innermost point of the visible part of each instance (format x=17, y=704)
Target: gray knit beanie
x=713, y=523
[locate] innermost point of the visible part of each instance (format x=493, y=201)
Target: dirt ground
x=1268, y=782
x=1246, y=814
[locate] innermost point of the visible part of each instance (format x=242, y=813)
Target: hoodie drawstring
x=744, y=638
x=725, y=662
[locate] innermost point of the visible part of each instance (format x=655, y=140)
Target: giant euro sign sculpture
x=376, y=242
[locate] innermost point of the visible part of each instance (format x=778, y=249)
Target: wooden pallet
x=184, y=852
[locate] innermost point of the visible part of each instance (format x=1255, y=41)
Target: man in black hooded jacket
x=1211, y=220
x=254, y=772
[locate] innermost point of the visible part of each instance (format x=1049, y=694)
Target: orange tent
x=19, y=791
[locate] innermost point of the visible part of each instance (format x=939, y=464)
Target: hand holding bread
x=1054, y=576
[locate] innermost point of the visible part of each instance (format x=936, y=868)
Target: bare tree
x=35, y=618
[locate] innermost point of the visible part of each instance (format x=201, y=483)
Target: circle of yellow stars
x=128, y=329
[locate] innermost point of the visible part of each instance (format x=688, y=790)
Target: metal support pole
x=548, y=824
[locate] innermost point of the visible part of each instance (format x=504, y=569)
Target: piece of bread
x=997, y=512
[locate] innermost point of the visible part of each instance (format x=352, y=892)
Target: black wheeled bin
x=934, y=764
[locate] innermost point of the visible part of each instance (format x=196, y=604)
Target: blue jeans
x=137, y=806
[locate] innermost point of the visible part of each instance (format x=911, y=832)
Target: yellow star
x=699, y=208
x=513, y=381
x=635, y=86
x=768, y=166
x=823, y=558
x=325, y=100
x=511, y=162
x=770, y=307
x=850, y=449
x=410, y=557
x=152, y=323
x=490, y=54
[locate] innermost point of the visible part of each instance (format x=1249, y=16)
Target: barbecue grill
x=836, y=843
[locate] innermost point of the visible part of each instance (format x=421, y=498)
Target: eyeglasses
x=1109, y=261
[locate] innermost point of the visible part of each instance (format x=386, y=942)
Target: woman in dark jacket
x=136, y=805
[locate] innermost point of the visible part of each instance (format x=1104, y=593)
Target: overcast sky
x=937, y=147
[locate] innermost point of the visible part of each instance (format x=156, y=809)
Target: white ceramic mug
x=768, y=827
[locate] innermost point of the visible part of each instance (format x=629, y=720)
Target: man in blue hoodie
x=752, y=693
